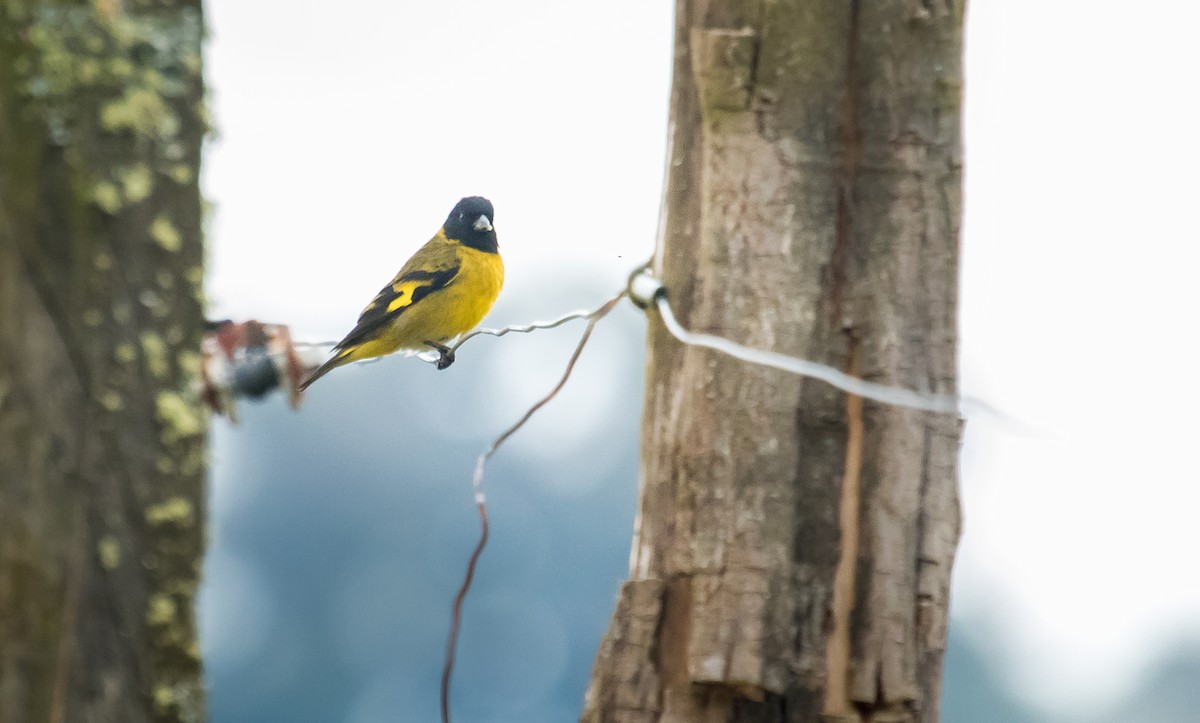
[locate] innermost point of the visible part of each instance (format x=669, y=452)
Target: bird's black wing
x=409, y=287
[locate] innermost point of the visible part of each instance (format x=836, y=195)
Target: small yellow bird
x=444, y=290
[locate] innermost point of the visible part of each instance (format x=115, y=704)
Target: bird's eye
x=462, y=217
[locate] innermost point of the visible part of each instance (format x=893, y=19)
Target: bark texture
x=101, y=442
x=792, y=553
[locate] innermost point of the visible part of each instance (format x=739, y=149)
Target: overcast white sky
x=348, y=130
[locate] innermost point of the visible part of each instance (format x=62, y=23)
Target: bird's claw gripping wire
x=445, y=354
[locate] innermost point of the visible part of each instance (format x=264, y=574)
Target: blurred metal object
x=249, y=359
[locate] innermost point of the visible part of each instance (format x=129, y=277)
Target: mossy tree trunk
x=102, y=446
x=792, y=555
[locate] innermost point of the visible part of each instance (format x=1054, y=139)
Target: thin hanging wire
x=477, y=479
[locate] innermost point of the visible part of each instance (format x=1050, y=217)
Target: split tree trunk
x=792, y=554
x=101, y=441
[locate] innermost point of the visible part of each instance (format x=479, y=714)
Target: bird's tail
x=334, y=363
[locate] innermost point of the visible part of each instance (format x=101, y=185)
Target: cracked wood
x=792, y=550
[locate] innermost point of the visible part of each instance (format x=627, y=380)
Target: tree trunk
x=101, y=440
x=791, y=558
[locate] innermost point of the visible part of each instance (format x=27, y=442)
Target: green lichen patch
x=136, y=182
x=108, y=549
x=155, y=351
x=194, y=64
x=164, y=697
x=107, y=196
x=131, y=64
x=89, y=71
x=180, y=419
x=125, y=353
x=189, y=363
x=165, y=234
x=176, y=511
x=102, y=262
x=121, y=68
x=140, y=110
x=92, y=318
x=111, y=401
x=194, y=276
x=182, y=701
x=181, y=173
x=161, y=610
x=204, y=115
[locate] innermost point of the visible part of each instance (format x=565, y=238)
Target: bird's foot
x=446, y=354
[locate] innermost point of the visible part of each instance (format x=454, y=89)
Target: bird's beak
x=482, y=224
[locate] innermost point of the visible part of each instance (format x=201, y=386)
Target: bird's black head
x=471, y=223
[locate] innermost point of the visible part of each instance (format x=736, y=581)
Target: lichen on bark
x=100, y=132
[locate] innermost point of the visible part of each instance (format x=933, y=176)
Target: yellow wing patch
x=404, y=292
x=393, y=299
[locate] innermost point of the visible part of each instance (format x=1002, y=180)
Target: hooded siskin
x=444, y=290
